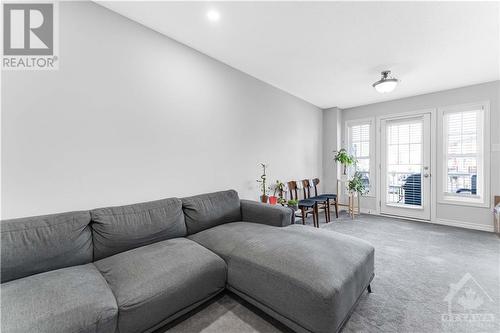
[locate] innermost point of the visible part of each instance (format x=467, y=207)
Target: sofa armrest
x=257, y=212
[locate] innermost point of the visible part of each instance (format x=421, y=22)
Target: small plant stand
x=353, y=202
x=354, y=206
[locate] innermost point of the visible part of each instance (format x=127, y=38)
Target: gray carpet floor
x=415, y=264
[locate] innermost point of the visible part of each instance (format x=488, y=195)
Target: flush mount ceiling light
x=386, y=84
x=213, y=15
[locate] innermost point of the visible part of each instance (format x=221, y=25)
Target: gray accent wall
x=132, y=116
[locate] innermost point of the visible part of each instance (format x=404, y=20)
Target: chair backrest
x=315, y=184
x=292, y=187
x=307, y=188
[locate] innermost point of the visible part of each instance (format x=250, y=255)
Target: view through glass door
x=405, y=167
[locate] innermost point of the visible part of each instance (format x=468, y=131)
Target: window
x=359, y=146
x=464, y=159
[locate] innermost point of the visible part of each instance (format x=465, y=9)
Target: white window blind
x=359, y=146
x=463, y=153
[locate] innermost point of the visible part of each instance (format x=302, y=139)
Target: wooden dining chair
x=332, y=198
x=320, y=202
x=305, y=206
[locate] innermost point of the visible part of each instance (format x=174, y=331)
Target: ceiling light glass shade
x=385, y=84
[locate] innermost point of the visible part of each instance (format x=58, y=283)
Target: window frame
x=482, y=198
x=372, y=146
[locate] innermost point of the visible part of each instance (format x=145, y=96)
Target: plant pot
x=273, y=200
x=263, y=198
x=294, y=207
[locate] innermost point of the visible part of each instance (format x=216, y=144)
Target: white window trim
x=482, y=199
x=363, y=121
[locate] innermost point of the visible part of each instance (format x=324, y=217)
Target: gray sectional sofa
x=136, y=268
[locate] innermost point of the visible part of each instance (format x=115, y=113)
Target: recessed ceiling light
x=213, y=15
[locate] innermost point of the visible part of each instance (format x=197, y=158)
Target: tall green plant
x=263, y=180
x=345, y=159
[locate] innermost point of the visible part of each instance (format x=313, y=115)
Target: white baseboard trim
x=466, y=225
x=451, y=223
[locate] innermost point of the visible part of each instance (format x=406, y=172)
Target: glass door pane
x=404, y=163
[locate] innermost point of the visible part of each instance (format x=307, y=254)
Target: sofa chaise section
x=309, y=279
x=323, y=272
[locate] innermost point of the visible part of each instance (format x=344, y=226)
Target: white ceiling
x=329, y=53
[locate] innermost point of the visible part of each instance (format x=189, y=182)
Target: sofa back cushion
x=38, y=244
x=208, y=210
x=118, y=229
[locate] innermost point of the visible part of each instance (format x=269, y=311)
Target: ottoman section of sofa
x=313, y=278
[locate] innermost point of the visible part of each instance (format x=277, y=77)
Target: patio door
x=405, y=167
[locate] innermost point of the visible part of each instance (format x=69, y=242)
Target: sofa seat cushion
x=73, y=299
x=311, y=277
x=153, y=284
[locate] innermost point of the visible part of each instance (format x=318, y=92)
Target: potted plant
x=263, y=184
x=273, y=199
x=356, y=184
x=293, y=204
x=345, y=159
x=277, y=196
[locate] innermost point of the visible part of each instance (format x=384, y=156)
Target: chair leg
x=315, y=216
x=303, y=215
x=329, y=213
x=336, y=209
x=325, y=206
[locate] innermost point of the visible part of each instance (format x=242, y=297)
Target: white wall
x=332, y=141
x=480, y=218
x=132, y=115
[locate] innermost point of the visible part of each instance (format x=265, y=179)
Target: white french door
x=405, y=166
